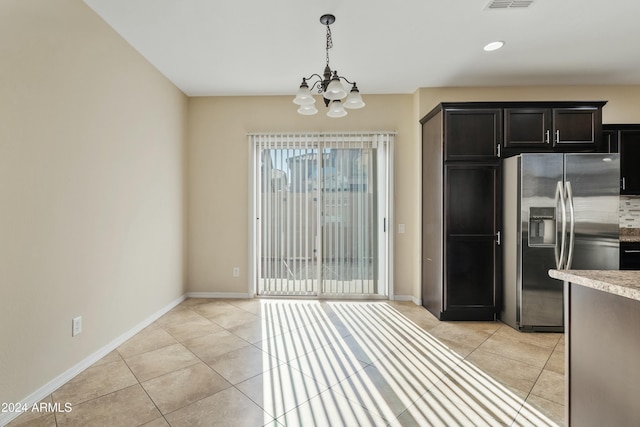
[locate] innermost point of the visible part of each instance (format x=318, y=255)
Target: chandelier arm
x=318, y=83
x=345, y=79
x=317, y=86
x=313, y=75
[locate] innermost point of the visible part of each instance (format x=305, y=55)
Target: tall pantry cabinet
x=461, y=212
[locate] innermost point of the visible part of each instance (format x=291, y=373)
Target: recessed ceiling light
x=494, y=46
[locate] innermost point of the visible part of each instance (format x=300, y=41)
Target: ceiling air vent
x=509, y=4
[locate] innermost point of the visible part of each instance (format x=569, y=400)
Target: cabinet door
x=471, y=274
x=629, y=141
x=629, y=255
x=576, y=128
x=472, y=266
x=527, y=128
x=472, y=134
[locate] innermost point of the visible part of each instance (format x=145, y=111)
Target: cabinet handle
x=557, y=136
x=498, y=238
x=624, y=183
x=632, y=251
x=546, y=138
x=498, y=150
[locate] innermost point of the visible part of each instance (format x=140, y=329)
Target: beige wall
x=218, y=167
x=623, y=104
x=218, y=173
x=91, y=189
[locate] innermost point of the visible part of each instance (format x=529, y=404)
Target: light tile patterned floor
x=309, y=363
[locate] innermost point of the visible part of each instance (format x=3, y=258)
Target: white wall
x=91, y=189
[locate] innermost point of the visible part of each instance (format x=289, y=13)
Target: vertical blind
x=318, y=198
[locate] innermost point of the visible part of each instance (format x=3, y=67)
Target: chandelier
x=328, y=85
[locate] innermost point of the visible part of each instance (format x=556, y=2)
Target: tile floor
x=310, y=363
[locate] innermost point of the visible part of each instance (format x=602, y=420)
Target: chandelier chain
x=329, y=42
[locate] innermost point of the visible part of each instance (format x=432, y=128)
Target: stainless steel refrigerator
x=560, y=211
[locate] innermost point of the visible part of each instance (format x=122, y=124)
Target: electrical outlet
x=76, y=326
x=236, y=272
x=400, y=228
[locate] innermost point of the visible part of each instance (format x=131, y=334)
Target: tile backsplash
x=629, y=211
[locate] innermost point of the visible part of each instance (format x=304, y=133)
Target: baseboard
x=69, y=374
x=236, y=295
x=416, y=301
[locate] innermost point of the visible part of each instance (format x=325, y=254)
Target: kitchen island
x=602, y=338
x=630, y=235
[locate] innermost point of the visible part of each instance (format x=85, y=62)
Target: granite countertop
x=630, y=234
x=625, y=283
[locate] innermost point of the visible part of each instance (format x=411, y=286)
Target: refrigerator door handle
x=561, y=201
x=572, y=223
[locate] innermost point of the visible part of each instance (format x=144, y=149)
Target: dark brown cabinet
x=629, y=255
x=625, y=138
x=472, y=134
x=471, y=221
x=471, y=294
x=577, y=128
x=467, y=187
x=461, y=214
x=462, y=147
x=558, y=127
x=527, y=128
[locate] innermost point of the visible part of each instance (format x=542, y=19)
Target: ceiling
x=260, y=47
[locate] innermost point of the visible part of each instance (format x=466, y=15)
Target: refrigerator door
x=593, y=180
x=540, y=304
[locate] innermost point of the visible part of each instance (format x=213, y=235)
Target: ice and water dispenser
x=542, y=226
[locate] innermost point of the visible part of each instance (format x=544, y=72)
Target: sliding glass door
x=322, y=208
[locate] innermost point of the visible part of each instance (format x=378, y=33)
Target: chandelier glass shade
x=329, y=85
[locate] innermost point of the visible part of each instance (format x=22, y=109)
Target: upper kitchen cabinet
x=472, y=133
x=577, y=127
x=626, y=138
x=527, y=128
x=552, y=126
